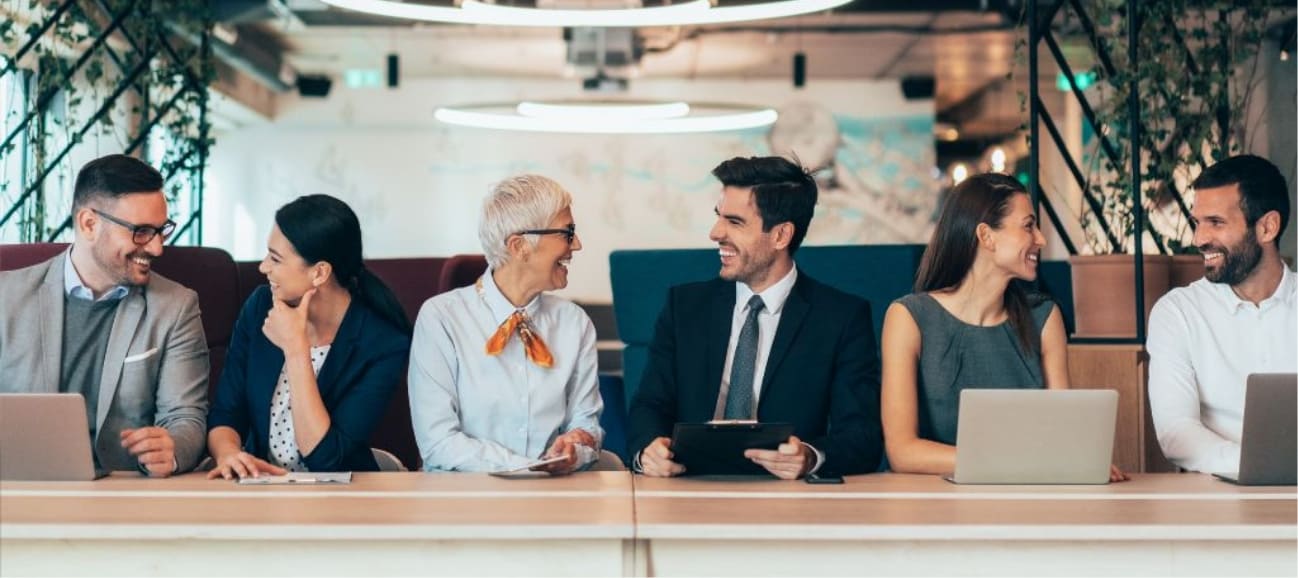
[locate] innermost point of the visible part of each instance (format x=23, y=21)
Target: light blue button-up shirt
x=73, y=287
x=475, y=412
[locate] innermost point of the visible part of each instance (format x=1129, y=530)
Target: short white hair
x=518, y=204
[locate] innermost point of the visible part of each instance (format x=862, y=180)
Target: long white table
x=892, y=524
x=382, y=524
x=607, y=524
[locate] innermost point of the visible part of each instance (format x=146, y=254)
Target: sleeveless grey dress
x=955, y=356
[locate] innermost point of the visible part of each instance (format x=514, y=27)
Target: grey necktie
x=739, y=398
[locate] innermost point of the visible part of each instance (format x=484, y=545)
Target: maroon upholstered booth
x=460, y=271
x=209, y=272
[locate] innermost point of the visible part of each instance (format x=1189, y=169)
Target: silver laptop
x=1036, y=436
x=45, y=437
x=1268, y=448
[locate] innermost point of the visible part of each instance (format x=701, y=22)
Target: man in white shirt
x=1205, y=339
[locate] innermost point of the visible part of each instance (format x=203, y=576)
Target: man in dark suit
x=764, y=341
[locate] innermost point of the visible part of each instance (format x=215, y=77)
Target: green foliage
x=1194, y=77
x=68, y=97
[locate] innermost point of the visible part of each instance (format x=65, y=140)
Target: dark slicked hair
x=1262, y=188
x=784, y=191
x=112, y=176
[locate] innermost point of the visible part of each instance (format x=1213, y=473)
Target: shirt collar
x=498, y=304
x=1284, y=293
x=73, y=287
x=774, y=296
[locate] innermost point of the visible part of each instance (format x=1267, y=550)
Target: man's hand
x=790, y=461
x=566, y=444
x=154, y=449
x=656, y=459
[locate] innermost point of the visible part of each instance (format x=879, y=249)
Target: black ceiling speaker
x=917, y=87
x=394, y=70
x=799, y=70
x=313, y=86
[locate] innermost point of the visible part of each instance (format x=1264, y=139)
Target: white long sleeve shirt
x=474, y=412
x=1203, y=343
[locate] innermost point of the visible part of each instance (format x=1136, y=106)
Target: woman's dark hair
x=949, y=257
x=323, y=228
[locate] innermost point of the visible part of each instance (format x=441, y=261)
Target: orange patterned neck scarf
x=518, y=323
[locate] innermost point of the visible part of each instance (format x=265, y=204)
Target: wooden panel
x=1124, y=368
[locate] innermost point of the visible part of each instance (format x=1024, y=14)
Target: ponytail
x=376, y=295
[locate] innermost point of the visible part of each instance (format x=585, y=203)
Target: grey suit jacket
x=155, y=368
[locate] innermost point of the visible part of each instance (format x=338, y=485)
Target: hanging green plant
x=121, y=69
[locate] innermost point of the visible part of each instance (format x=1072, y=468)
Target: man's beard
x=1238, y=262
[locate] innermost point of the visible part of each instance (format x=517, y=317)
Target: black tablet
x=717, y=449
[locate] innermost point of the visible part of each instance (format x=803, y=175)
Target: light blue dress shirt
x=474, y=412
x=74, y=288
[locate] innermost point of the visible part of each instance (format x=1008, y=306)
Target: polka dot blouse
x=283, y=445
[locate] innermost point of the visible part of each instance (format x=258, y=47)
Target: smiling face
x=747, y=252
x=112, y=247
x=1016, y=246
x=1230, y=247
x=289, y=275
x=550, y=258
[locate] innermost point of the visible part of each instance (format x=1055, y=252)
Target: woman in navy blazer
x=315, y=354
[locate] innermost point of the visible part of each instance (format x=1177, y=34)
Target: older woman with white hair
x=503, y=374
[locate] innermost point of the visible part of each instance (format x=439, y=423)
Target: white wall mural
x=417, y=185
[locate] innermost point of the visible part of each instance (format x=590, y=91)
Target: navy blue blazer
x=365, y=363
x=822, y=374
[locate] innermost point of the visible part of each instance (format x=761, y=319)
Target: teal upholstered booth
x=640, y=278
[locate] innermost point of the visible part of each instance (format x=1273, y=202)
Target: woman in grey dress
x=973, y=321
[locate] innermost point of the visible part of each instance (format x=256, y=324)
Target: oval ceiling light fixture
x=609, y=111
x=607, y=118
x=682, y=14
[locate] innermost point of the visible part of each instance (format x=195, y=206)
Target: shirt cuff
x=820, y=458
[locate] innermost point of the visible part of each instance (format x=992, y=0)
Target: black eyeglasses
x=568, y=232
x=141, y=234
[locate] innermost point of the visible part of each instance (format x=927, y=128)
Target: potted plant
x=1195, y=76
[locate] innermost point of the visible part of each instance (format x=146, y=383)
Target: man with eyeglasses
x=95, y=321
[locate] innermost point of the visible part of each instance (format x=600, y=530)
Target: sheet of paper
x=301, y=478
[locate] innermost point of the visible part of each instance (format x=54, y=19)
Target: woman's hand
x=566, y=444
x=285, y=326
x=243, y=465
x=1116, y=475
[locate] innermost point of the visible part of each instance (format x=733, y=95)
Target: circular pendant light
x=693, y=12
x=608, y=117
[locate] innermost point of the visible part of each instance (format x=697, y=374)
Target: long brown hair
x=983, y=198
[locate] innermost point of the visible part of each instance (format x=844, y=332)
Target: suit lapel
x=125, y=323
x=719, y=321
x=344, y=343
x=791, y=318
x=51, y=326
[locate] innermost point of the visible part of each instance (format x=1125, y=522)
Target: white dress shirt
x=1203, y=342
x=75, y=288
x=768, y=320
x=476, y=412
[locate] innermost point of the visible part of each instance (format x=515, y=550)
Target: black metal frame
x=1039, y=32
x=154, y=46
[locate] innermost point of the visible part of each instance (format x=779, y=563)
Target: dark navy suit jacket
x=822, y=374
x=365, y=363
